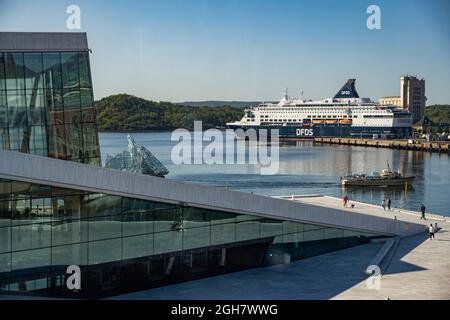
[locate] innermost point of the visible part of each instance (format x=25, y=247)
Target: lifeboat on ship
x=345, y=121
x=317, y=121
x=331, y=121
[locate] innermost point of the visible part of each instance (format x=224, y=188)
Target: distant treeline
x=438, y=113
x=123, y=112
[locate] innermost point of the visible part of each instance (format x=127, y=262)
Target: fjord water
x=305, y=168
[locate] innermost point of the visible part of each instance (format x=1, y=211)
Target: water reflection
x=306, y=168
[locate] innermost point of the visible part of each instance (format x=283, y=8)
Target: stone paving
x=420, y=269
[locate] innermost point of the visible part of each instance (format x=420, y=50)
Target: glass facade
x=46, y=229
x=46, y=105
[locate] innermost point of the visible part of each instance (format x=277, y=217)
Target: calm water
x=309, y=169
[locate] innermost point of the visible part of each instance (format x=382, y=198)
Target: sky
x=190, y=50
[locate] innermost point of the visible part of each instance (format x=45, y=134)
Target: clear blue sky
x=177, y=50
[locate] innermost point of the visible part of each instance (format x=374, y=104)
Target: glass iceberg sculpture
x=137, y=160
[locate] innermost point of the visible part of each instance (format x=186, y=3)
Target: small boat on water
x=383, y=178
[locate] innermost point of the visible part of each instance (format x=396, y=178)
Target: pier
x=414, y=145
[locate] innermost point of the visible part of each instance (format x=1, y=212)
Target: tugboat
x=383, y=178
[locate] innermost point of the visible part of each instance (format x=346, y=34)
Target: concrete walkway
x=420, y=269
x=362, y=208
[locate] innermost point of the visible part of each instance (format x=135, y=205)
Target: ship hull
x=331, y=131
x=377, y=182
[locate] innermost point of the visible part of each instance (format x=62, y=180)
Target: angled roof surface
x=43, y=41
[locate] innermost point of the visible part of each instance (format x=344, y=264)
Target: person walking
x=389, y=202
x=422, y=209
x=345, y=201
x=431, y=230
x=383, y=204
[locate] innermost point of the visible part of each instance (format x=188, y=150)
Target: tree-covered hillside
x=439, y=114
x=123, y=112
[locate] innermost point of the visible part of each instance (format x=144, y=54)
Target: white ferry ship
x=344, y=115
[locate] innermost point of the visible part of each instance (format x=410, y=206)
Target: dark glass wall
x=46, y=105
x=44, y=228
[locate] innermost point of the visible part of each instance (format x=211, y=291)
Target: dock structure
x=438, y=147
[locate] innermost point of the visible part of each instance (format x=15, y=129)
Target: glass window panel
x=4, y=139
x=90, y=141
x=3, y=110
x=5, y=238
x=17, y=117
x=5, y=213
x=54, y=103
x=34, y=78
x=196, y=237
x=5, y=189
x=351, y=233
x=137, y=223
x=271, y=227
x=5, y=262
x=330, y=233
x=74, y=141
x=130, y=205
x=69, y=231
x=2, y=72
x=71, y=99
x=245, y=217
x=105, y=251
x=313, y=235
x=167, y=219
x=104, y=205
x=70, y=70
x=293, y=237
x=67, y=206
x=85, y=77
x=223, y=233
x=105, y=227
x=86, y=100
x=74, y=254
x=37, y=114
x=31, y=259
x=30, y=236
x=52, y=70
x=246, y=230
x=218, y=217
x=18, y=140
x=38, y=140
x=57, y=142
x=167, y=241
x=307, y=226
x=195, y=217
x=15, y=76
x=137, y=246
x=292, y=227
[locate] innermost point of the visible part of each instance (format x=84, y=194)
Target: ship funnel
x=347, y=91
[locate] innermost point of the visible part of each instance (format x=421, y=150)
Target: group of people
x=432, y=230
x=386, y=202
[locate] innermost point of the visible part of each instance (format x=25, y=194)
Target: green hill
x=438, y=113
x=123, y=112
